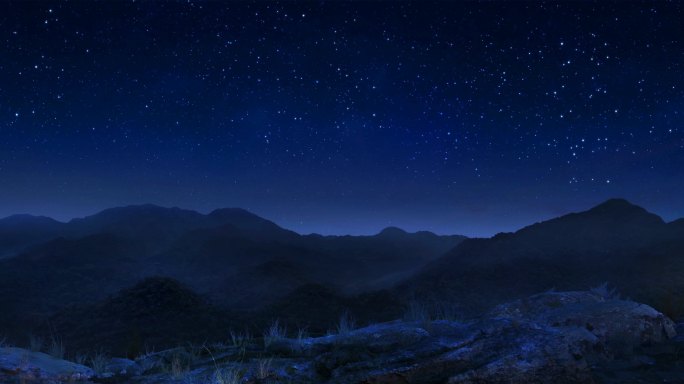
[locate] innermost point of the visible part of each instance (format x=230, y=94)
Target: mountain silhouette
x=20, y=231
x=615, y=241
x=392, y=232
x=244, y=220
x=679, y=223
x=235, y=267
x=234, y=258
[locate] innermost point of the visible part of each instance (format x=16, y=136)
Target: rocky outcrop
x=568, y=337
x=548, y=338
x=21, y=366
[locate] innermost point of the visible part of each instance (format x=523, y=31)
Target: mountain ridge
x=239, y=261
x=232, y=256
x=574, y=251
x=219, y=216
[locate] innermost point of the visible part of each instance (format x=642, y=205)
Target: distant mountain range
x=235, y=269
x=232, y=257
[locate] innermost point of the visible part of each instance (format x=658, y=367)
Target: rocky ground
x=554, y=337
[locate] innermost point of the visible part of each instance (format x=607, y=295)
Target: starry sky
x=336, y=117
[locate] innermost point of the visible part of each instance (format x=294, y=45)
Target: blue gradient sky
x=343, y=117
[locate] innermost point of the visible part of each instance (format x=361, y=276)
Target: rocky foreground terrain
x=553, y=337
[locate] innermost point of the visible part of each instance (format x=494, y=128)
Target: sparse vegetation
x=416, y=311
x=302, y=334
x=178, y=367
x=149, y=350
x=56, y=348
x=81, y=359
x=222, y=375
x=35, y=343
x=274, y=333
x=195, y=352
x=420, y=312
x=446, y=311
x=264, y=368
x=24, y=360
x=240, y=339
x=176, y=364
x=185, y=357
x=346, y=324
x=297, y=344
x=98, y=362
x=226, y=376
x=145, y=362
x=605, y=292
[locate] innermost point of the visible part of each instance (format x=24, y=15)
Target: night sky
x=468, y=118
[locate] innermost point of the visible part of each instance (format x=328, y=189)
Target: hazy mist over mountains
x=240, y=262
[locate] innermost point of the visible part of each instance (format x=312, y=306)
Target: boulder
x=22, y=365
